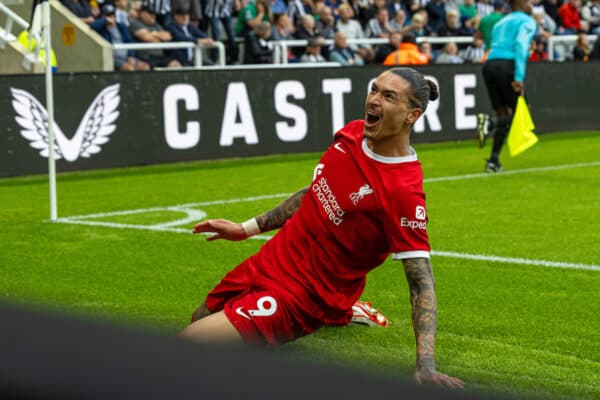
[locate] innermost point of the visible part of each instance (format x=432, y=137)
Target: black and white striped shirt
x=218, y=8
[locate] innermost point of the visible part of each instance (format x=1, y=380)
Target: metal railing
x=565, y=41
x=7, y=36
x=177, y=45
x=11, y=17
x=280, y=47
x=327, y=64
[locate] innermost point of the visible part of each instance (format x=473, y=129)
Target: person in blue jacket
x=115, y=32
x=504, y=74
x=182, y=30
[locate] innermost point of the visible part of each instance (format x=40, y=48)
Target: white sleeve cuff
x=410, y=254
x=251, y=227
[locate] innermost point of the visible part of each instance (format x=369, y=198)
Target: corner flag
x=39, y=26
x=521, y=136
x=35, y=21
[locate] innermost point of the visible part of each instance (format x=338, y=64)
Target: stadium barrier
x=198, y=49
x=112, y=120
x=280, y=47
x=560, y=47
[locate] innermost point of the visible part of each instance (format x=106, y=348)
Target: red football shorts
x=261, y=312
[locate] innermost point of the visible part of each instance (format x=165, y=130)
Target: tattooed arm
x=424, y=318
x=265, y=222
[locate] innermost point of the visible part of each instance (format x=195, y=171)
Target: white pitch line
x=167, y=227
x=438, y=253
x=515, y=260
x=512, y=172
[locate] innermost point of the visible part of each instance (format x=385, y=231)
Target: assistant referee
x=504, y=73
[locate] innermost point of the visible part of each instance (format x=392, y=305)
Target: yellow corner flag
x=521, y=136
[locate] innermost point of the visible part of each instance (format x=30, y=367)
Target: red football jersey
x=360, y=208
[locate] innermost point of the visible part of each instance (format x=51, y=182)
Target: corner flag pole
x=50, y=108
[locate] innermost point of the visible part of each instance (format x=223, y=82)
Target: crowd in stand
x=406, y=24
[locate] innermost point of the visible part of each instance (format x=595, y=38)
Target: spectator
x=452, y=27
x=251, y=15
x=468, y=12
x=161, y=9
x=398, y=22
x=115, y=33
x=379, y=26
x=449, y=55
x=418, y=25
x=551, y=8
x=183, y=31
x=219, y=13
x=484, y=7
x=29, y=43
x=591, y=14
x=486, y=24
x=259, y=50
x=325, y=26
x=81, y=9
x=426, y=48
x=371, y=12
x=436, y=14
x=414, y=6
x=361, y=11
x=353, y=30
x=343, y=54
x=545, y=25
x=282, y=28
x=278, y=6
x=147, y=30
x=582, y=50
x=538, y=50
x=570, y=20
x=297, y=9
x=469, y=19
x=408, y=53
x=333, y=5
x=395, y=6
x=134, y=9
x=122, y=12
x=383, y=50
x=195, y=8
x=305, y=31
x=312, y=53
x=474, y=52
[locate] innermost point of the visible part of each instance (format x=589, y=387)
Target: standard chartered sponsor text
x=328, y=201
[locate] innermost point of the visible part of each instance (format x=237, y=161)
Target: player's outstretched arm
x=265, y=222
x=276, y=217
x=424, y=317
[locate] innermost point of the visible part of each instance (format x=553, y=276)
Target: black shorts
x=498, y=76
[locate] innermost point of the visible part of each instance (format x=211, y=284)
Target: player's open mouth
x=371, y=119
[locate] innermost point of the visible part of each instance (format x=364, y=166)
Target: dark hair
x=423, y=90
x=181, y=10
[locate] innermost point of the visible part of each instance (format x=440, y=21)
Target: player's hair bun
x=433, y=90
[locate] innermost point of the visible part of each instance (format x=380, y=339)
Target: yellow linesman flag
x=521, y=136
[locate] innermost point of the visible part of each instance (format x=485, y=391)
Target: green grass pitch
x=516, y=258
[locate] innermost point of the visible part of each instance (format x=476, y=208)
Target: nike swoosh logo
x=338, y=146
x=242, y=313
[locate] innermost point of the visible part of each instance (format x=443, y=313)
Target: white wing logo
x=93, y=131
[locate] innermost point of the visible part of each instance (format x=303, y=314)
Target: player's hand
x=222, y=228
x=518, y=87
x=437, y=378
